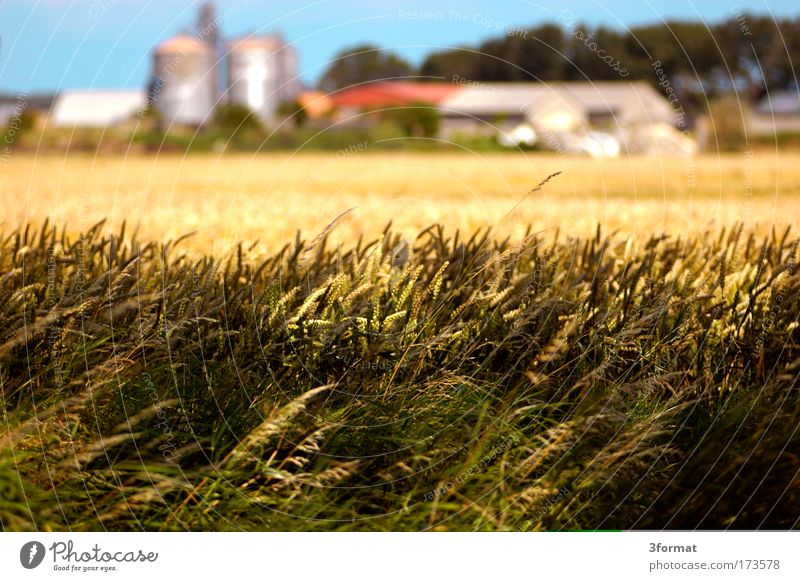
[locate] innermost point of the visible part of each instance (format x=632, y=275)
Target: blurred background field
x=268, y=197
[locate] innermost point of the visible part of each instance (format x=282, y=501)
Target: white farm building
x=96, y=108
x=600, y=119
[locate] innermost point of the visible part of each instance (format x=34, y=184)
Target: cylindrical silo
x=184, y=84
x=290, y=83
x=257, y=71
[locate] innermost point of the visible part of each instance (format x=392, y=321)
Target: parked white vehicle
x=521, y=135
x=592, y=143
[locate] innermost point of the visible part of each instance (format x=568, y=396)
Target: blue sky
x=56, y=44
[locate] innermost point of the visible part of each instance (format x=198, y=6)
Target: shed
x=620, y=104
x=489, y=107
x=776, y=113
x=93, y=108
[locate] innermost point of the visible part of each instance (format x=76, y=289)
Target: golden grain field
x=268, y=197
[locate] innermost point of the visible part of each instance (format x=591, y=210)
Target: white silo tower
x=290, y=83
x=184, y=87
x=260, y=73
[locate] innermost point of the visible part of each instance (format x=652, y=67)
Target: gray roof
x=780, y=103
x=608, y=95
x=626, y=101
x=7, y=110
x=495, y=98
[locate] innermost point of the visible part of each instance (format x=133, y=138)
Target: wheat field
x=462, y=385
x=418, y=377
x=268, y=197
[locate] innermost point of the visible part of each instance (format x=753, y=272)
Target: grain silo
x=290, y=83
x=184, y=87
x=262, y=73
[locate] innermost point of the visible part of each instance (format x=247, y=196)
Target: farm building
x=262, y=73
x=386, y=94
x=563, y=105
x=489, y=107
x=95, y=108
x=636, y=115
x=12, y=106
x=776, y=113
x=557, y=107
x=316, y=104
x=8, y=109
x=601, y=118
x=612, y=104
x=184, y=82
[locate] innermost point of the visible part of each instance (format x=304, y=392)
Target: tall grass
x=447, y=383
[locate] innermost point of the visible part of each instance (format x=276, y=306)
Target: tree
x=415, y=120
x=294, y=112
x=745, y=53
x=727, y=124
x=18, y=126
x=462, y=63
x=536, y=54
x=775, y=52
x=599, y=54
x=238, y=127
x=363, y=64
x=233, y=118
x=524, y=56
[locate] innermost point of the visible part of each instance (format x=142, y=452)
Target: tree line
x=745, y=53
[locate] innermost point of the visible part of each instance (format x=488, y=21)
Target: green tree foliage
x=529, y=55
x=416, y=120
x=294, y=112
x=748, y=53
x=234, y=118
x=727, y=120
x=19, y=125
x=237, y=126
x=362, y=64
x=464, y=63
x=607, y=62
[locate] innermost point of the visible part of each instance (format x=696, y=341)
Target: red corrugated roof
x=390, y=93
